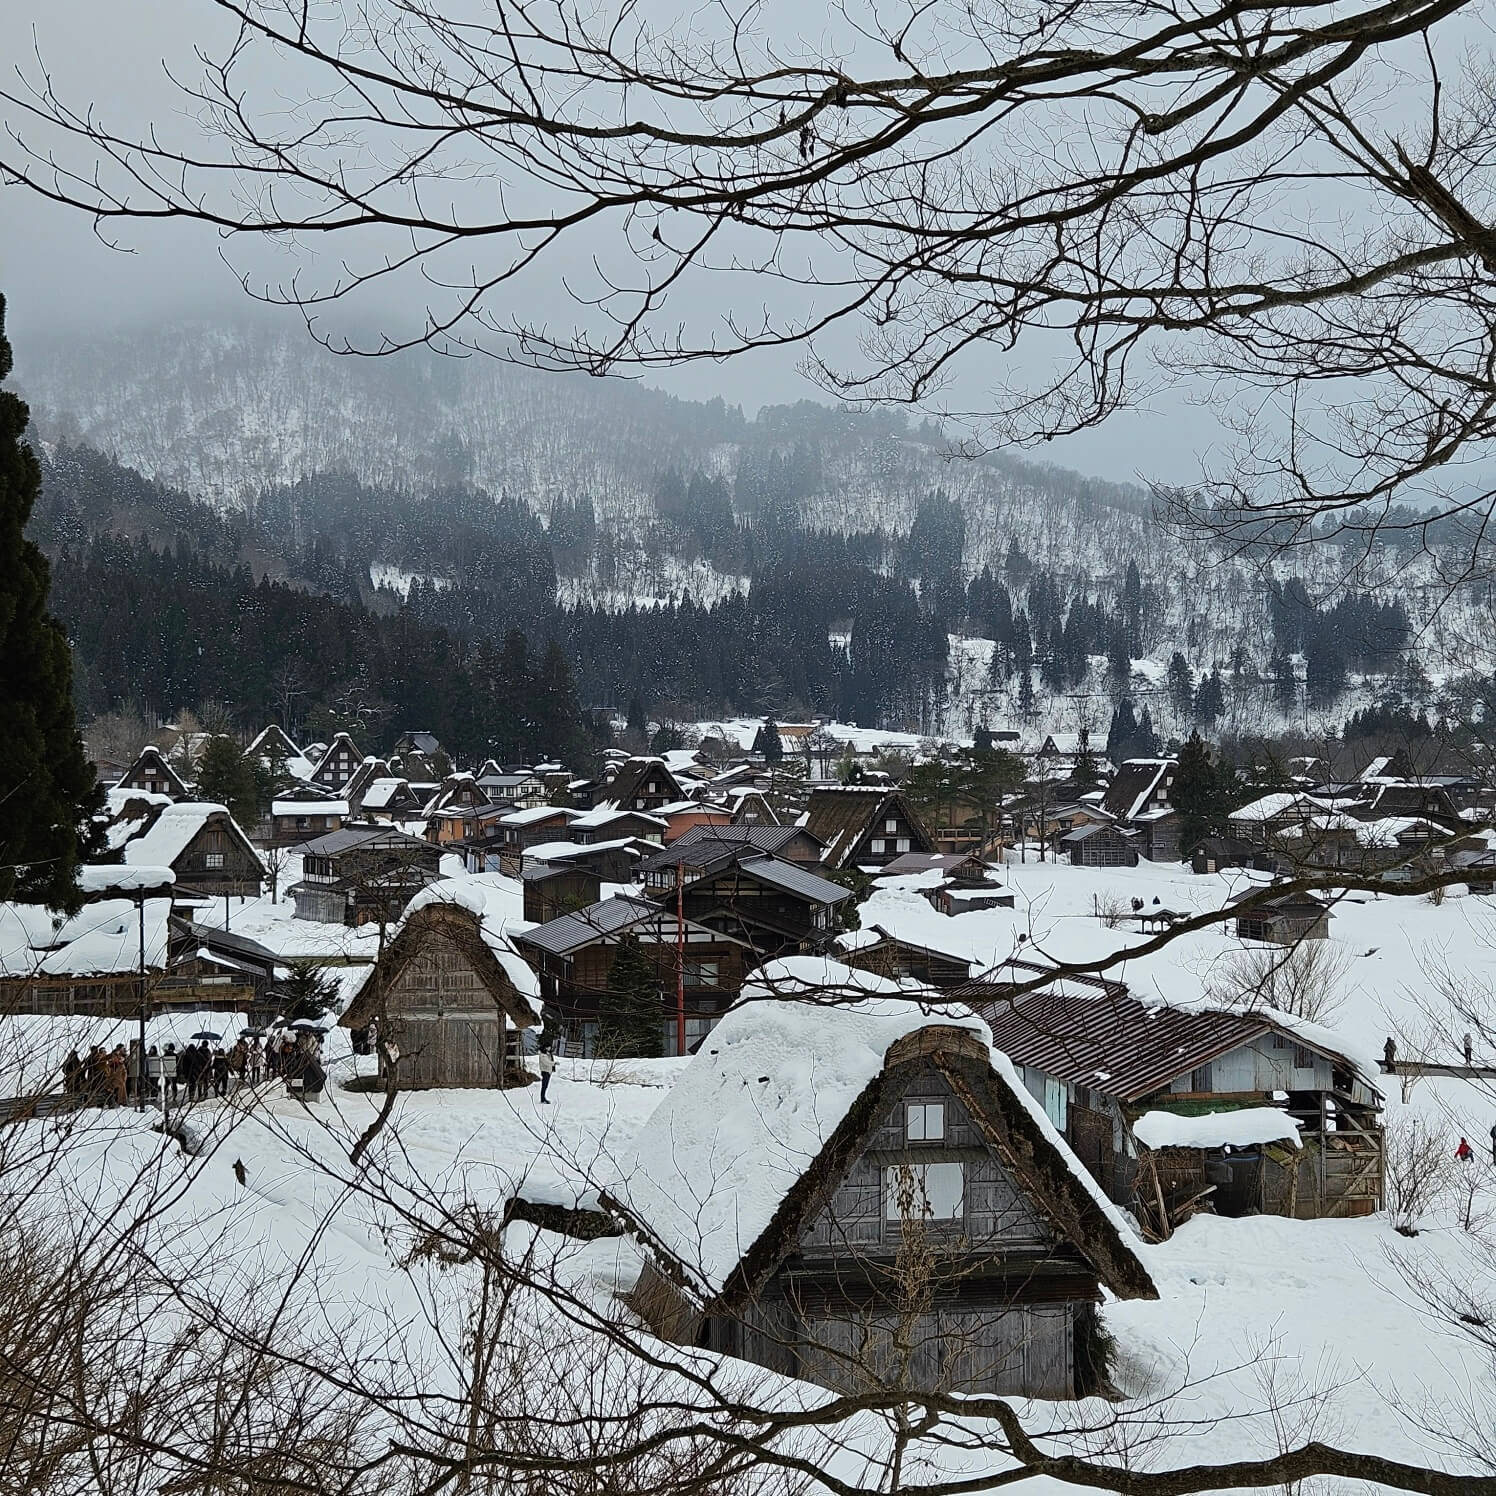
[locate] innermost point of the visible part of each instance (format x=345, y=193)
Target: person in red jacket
x=1464, y=1152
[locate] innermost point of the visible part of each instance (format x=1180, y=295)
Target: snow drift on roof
x=499, y=903
x=171, y=832
x=1249, y=1127
x=748, y=1115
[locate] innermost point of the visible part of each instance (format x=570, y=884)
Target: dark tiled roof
x=335, y=843
x=760, y=838
x=1092, y=1033
x=1135, y=781
x=793, y=878
x=570, y=932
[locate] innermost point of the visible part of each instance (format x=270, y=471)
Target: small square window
x=903, y=844
x=890, y=827
x=877, y=844
x=931, y=1192
x=214, y=859
x=924, y=1121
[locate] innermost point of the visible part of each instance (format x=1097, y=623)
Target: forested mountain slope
x=807, y=559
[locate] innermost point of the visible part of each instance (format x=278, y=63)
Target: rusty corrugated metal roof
x=1092, y=1033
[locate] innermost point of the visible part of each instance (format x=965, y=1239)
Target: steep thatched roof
x=1010, y=1122
x=463, y=928
x=841, y=818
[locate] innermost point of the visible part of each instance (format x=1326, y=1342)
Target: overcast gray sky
x=55, y=272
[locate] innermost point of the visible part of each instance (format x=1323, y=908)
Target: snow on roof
x=24, y=930
x=380, y=792
x=103, y=939
x=100, y=877
x=308, y=807
x=751, y=1112
x=499, y=903
x=600, y=815
x=1282, y=802
x=171, y=832
x=539, y=813
x=1249, y=1127
x=904, y=914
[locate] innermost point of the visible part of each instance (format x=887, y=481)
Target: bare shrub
x=1306, y=980
x=1112, y=910
x=1416, y=1169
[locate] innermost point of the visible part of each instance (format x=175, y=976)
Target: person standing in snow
x=1493, y=1143
x=1469, y=1049
x=547, y=1063
x=1465, y=1153
x=118, y=1077
x=1389, y=1054
x=220, y=1067
x=256, y=1062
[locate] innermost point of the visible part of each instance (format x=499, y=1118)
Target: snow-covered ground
x=1317, y=1317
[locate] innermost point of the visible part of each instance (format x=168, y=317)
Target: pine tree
x=1204, y=793
x=48, y=791
x=633, y=1018
x=1085, y=772
x=1181, y=687
x=1210, y=699
x=227, y=775
x=768, y=742
x=1120, y=740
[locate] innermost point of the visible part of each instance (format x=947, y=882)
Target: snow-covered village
x=747, y=750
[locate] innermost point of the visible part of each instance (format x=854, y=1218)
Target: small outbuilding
x=451, y=996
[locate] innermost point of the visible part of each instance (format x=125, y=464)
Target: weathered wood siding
x=1007, y=1307
x=996, y=1214
x=449, y=1030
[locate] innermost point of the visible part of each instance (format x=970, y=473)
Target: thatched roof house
x=450, y=992
x=778, y=1182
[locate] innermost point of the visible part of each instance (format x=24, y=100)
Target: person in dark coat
x=1389, y=1054
x=96, y=1077
x=220, y=1070
x=72, y=1077
x=190, y=1070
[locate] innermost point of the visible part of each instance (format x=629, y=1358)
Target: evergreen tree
x=1210, y=700
x=1181, y=687
x=1123, y=733
x=1285, y=687
x=48, y=791
x=768, y=742
x=1204, y=793
x=227, y=775
x=1147, y=743
x=633, y=1019
x=307, y=991
x=1086, y=772
x=638, y=719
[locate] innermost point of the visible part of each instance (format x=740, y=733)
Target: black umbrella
x=207, y=1034
x=308, y=1026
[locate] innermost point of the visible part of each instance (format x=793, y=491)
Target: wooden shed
x=452, y=998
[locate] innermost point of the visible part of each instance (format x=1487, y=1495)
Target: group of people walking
x=116, y=1077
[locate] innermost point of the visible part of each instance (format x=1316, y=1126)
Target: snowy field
x=1317, y=1318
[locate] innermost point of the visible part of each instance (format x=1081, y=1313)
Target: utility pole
x=140, y=1074
x=680, y=958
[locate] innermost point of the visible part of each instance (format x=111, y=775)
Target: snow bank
x=1250, y=1127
